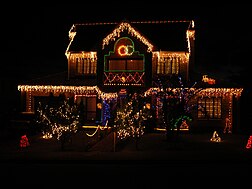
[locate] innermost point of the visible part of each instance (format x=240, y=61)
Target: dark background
x=35, y=37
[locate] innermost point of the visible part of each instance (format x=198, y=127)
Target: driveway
x=156, y=161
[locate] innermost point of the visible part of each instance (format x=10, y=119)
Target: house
x=106, y=61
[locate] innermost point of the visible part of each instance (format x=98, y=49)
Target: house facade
x=107, y=61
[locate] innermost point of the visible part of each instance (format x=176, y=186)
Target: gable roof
x=163, y=35
x=126, y=26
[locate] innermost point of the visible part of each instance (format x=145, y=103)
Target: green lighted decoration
x=181, y=122
x=124, y=58
x=124, y=65
x=125, y=50
x=124, y=46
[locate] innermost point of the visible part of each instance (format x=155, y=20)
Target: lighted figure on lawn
x=24, y=142
x=249, y=143
x=208, y=80
x=215, y=137
x=227, y=128
x=184, y=125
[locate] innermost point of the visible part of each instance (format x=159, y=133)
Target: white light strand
x=123, y=26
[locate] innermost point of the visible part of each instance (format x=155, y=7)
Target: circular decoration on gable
x=125, y=50
x=124, y=46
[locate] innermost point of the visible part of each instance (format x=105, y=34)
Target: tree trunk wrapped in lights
x=175, y=98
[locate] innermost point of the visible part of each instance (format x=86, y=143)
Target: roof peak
x=138, y=22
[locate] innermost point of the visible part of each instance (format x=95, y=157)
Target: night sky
x=35, y=38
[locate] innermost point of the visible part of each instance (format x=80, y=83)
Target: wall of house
x=184, y=71
x=209, y=125
x=71, y=66
x=172, y=58
x=30, y=98
x=87, y=64
x=134, y=81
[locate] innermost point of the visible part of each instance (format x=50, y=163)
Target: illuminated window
x=125, y=65
x=86, y=66
x=209, y=108
x=79, y=65
x=124, y=57
x=168, y=65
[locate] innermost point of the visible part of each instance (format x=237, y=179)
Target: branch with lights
x=58, y=121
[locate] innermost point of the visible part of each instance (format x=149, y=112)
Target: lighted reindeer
x=208, y=80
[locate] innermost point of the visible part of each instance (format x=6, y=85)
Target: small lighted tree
x=59, y=120
x=130, y=118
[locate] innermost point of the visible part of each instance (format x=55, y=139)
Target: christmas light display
x=24, y=142
x=183, y=56
x=217, y=92
x=129, y=122
x=227, y=128
x=88, y=91
x=106, y=111
x=171, y=92
x=249, y=143
x=124, y=50
x=59, y=121
x=208, y=80
x=187, y=93
x=181, y=122
x=124, y=79
x=215, y=137
x=97, y=129
x=99, y=105
x=126, y=26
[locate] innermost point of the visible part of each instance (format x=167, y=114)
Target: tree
x=129, y=120
x=175, y=98
x=59, y=120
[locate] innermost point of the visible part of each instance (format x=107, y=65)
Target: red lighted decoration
x=249, y=142
x=24, y=142
x=125, y=50
x=208, y=80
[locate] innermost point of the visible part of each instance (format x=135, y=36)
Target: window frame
x=212, y=105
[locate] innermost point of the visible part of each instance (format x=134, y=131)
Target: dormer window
x=124, y=58
x=124, y=65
